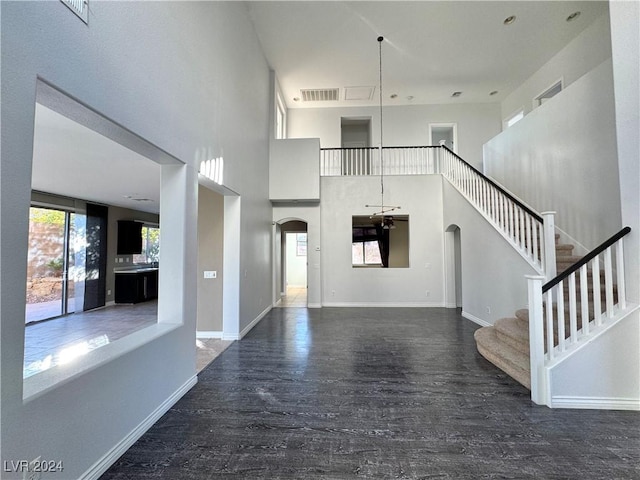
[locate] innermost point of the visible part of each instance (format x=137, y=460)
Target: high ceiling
x=431, y=48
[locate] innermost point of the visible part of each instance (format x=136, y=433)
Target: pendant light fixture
x=385, y=220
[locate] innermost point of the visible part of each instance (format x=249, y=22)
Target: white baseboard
x=208, y=334
x=595, y=403
x=578, y=248
x=474, y=319
x=255, y=321
x=383, y=304
x=123, y=445
x=450, y=305
x=110, y=303
x=314, y=305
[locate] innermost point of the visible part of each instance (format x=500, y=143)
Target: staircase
x=586, y=295
x=506, y=343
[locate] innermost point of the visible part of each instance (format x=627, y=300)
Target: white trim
x=110, y=303
x=208, y=334
x=451, y=305
x=314, y=305
x=123, y=445
x=382, y=304
x=474, y=319
x=598, y=403
x=255, y=321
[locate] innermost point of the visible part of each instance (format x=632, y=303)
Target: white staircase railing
x=570, y=309
x=530, y=233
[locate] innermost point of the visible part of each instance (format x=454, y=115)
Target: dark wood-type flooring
x=373, y=393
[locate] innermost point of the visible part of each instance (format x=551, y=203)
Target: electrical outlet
x=427, y=292
x=333, y=293
x=488, y=309
x=108, y=292
x=31, y=473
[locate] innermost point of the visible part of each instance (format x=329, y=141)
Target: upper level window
x=516, y=117
x=550, y=92
x=281, y=118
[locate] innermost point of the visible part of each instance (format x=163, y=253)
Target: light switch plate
x=210, y=274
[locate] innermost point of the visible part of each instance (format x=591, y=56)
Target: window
x=150, y=245
x=301, y=244
x=281, y=118
x=550, y=92
x=513, y=119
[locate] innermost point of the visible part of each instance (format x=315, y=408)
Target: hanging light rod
x=383, y=208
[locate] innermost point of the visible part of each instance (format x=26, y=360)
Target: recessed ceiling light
x=296, y=99
x=573, y=16
x=456, y=94
x=509, y=20
x=495, y=92
x=394, y=95
x=410, y=97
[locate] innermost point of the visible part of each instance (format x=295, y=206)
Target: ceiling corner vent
x=79, y=7
x=320, y=95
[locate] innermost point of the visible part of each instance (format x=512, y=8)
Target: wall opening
x=453, y=267
x=444, y=134
x=292, y=271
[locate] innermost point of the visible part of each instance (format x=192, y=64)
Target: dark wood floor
x=373, y=393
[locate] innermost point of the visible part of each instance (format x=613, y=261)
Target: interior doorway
x=453, y=270
x=293, y=276
x=444, y=134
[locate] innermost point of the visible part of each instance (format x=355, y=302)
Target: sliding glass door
x=55, y=266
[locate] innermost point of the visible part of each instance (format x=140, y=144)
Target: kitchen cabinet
x=136, y=286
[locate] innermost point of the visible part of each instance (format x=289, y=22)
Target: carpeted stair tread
x=514, y=332
x=564, y=250
x=513, y=362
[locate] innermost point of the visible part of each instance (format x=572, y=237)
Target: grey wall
x=210, y=253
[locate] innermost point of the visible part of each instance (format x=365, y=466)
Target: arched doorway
x=453, y=267
x=291, y=264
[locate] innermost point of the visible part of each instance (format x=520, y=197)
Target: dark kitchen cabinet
x=136, y=287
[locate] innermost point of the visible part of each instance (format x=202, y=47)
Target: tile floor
x=341, y=393
x=296, y=297
x=59, y=340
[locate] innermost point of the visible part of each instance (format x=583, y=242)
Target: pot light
x=394, y=95
x=509, y=20
x=495, y=92
x=573, y=16
x=456, y=94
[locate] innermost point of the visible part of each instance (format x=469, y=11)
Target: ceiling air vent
x=320, y=95
x=79, y=7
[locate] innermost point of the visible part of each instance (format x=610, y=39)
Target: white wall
x=421, y=198
x=562, y=157
x=604, y=375
x=403, y=125
x=296, y=264
x=212, y=100
x=585, y=52
x=493, y=272
x=294, y=169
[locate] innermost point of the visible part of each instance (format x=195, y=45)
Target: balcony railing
x=336, y=162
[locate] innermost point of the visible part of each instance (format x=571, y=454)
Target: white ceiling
x=74, y=161
x=431, y=48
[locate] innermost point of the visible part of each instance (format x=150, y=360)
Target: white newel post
x=536, y=340
x=549, y=244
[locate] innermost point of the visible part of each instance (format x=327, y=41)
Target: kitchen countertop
x=135, y=269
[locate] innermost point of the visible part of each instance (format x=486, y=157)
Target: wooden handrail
x=500, y=188
x=586, y=259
